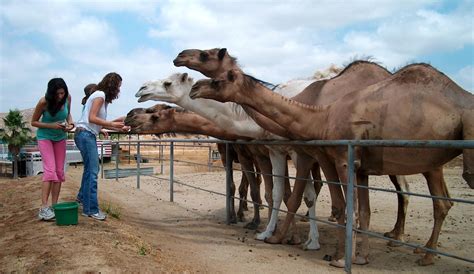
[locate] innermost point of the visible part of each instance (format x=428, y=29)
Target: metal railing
x=351, y=144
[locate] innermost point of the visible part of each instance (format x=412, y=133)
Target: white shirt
x=84, y=121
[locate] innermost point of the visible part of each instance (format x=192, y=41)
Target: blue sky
x=276, y=40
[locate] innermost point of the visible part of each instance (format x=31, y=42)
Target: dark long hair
x=110, y=86
x=88, y=90
x=51, y=103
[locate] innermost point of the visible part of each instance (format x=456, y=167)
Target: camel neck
x=289, y=114
x=196, y=124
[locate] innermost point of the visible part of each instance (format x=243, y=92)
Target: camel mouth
x=194, y=94
x=145, y=98
x=178, y=63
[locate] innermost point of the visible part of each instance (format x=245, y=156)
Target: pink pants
x=53, y=154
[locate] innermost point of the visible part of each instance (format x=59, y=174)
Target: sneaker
x=101, y=216
x=46, y=214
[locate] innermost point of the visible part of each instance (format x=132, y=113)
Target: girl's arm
x=69, y=119
x=37, y=115
x=93, y=118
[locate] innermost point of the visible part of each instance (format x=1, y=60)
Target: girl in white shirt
x=92, y=122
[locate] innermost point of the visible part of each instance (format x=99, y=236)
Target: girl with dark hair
x=54, y=109
x=92, y=123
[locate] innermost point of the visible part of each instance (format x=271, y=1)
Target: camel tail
x=468, y=154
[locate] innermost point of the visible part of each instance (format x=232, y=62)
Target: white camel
x=175, y=89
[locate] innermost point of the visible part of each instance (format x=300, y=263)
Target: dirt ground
x=189, y=235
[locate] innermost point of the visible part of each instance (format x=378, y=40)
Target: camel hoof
x=394, y=244
x=311, y=245
x=419, y=251
x=337, y=263
x=264, y=235
x=426, y=260
x=252, y=225
x=240, y=218
x=233, y=219
x=360, y=260
x=273, y=240
x=332, y=219
x=389, y=234
x=293, y=240
x=469, y=178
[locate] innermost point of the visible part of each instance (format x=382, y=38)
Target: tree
x=16, y=134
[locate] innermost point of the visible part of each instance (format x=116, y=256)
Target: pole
x=350, y=209
x=228, y=181
x=171, y=171
x=139, y=158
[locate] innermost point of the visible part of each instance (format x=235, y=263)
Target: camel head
x=210, y=62
x=224, y=88
x=170, y=89
x=155, y=120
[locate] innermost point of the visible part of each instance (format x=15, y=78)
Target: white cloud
x=465, y=78
x=273, y=40
x=402, y=38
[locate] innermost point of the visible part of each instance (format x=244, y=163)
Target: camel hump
x=363, y=65
x=420, y=73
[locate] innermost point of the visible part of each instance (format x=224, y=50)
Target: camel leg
x=243, y=190
x=222, y=151
x=338, y=205
x=302, y=172
x=266, y=170
x=343, y=176
x=364, y=217
x=398, y=230
x=293, y=235
x=259, y=180
x=248, y=168
x=310, y=199
x=278, y=161
x=316, y=174
x=437, y=187
x=468, y=154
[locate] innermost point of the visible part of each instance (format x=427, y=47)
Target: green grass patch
x=112, y=210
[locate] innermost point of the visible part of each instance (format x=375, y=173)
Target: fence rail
x=350, y=144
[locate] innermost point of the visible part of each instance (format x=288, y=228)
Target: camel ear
x=231, y=76
x=221, y=53
x=184, y=77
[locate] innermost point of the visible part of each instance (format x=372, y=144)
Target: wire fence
x=349, y=227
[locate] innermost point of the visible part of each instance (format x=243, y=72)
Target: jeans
x=87, y=144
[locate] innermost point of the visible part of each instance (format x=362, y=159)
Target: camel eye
x=155, y=117
x=203, y=56
x=167, y=84
x=214, y=83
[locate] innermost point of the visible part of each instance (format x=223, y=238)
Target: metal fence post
x=139, y=159
x=161, y=159
x=209, y=161
x=228, y=181
x=116, y=160
x=349, y=208
x=171, y=171
x=102, y=160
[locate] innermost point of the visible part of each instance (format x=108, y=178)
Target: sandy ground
x=190, y=234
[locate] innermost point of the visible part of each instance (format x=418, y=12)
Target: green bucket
x=66, y=213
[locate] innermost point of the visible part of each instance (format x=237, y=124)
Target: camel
x=175, y=89
x=162, y=119
x=416, y=103
x=213, y=62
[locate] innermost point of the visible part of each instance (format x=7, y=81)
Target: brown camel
x=357, y=75
x=416, y=103
x=162, y=119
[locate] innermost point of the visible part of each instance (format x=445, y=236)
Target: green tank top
x=49, y=133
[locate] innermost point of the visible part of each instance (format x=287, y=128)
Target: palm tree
x=16, y=134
